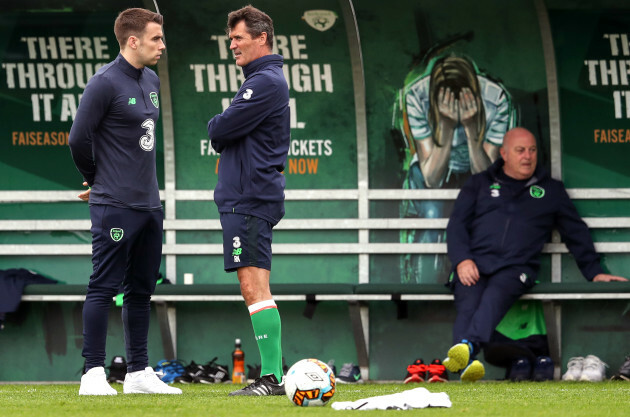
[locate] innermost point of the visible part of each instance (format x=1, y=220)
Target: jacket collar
x=127, y=68
x=539, y=174
x=260, y=63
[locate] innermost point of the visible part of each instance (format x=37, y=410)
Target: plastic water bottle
x=238, y=363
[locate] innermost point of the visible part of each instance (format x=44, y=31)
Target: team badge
x=494, y=190
x=116, y=233
x=154, y=99
x=321, y=20
x=536, y=191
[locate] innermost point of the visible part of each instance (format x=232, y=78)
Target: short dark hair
x=256, y=22
x=133, y=22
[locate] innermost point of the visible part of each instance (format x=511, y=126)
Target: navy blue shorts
x=246, y=241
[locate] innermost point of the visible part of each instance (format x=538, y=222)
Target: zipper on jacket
x=144, y=99
x=507, y=226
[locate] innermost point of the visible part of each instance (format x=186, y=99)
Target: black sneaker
x=543, y=369
x=521, y=370
x=624, y=371
x=193, y=373
x=214, y=373
x=265, y=385
x=117, y=370
x=349, y=374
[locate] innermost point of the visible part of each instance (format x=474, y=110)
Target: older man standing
x=501, y=220
x=252, y=135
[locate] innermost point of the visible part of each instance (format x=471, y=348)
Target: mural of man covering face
x=452, y=117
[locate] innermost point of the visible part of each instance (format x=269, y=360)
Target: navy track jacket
x=500, y=224
x=253, y=135
x=112, y=139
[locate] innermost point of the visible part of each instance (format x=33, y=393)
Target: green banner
x=311, y=37
x=593, y=63
x=47, y=59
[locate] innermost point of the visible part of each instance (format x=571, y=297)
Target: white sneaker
x=594, y=369
x=94, y=382
x=147, y=382
x=574, y=369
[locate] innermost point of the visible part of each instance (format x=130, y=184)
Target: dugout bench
x=357, y=296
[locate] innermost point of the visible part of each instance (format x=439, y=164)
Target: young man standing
x=252, y=135
x=112, y=141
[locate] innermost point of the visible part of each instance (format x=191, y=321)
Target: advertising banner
x=593, y=62
x=47, y=59
x=311, y=37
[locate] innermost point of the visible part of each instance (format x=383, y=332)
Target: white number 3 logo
x=147, y=142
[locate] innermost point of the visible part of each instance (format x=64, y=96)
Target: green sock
x=267, y=330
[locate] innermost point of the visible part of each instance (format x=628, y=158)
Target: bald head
x=519, y=152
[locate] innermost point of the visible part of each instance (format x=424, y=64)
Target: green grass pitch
x=486, y=398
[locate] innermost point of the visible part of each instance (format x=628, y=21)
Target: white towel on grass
x=406, y=400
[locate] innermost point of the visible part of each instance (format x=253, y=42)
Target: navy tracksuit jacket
x=502, y=224
x=113, y=145
x=253, y=136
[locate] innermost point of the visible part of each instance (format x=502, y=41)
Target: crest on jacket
x=536, y=191
x=154, y=99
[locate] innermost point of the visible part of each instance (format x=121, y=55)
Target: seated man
x=501, y=219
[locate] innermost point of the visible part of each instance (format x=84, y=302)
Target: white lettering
x=206, y=148
x=225, y=103
x=197, y=69
x=622, y=99
x=617, y=40
x=100, y=46
x=223, y=42
x=48, y=76
x=281, y=46
x=46, y=99
x=300, y=77
x=297, y=45
x=603, y=72
x=290, y=47
x=326, y=76
x=310, y=147
x=219, y=77
x=64, y=47
x=293, y=115
x=65, y=76
x=68, y=107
